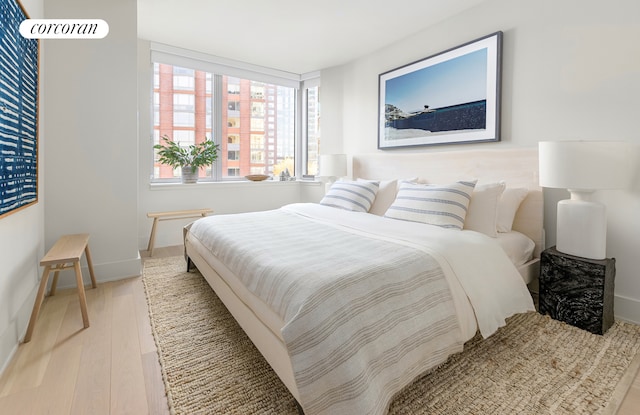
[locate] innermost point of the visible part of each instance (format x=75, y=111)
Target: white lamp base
x=330, y=181
x=582, y=229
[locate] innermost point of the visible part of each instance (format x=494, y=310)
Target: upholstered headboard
x=518, y=167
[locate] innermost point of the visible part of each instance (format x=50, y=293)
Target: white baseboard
x=112, y=271
x=627, y=309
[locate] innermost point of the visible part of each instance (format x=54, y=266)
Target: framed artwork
x=18, y=112
x=452, y=97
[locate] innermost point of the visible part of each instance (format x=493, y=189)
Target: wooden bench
x=176, y=214
x=64, y=254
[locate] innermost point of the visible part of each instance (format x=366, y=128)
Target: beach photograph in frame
x=452, y=97
x=18, y=112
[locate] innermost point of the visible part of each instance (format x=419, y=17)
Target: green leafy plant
x=194, y=155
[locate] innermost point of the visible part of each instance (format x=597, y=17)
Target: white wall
x=92, y=132
x=22, y=243
x=570, y=71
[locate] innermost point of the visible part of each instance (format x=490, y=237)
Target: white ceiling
x=297, y=36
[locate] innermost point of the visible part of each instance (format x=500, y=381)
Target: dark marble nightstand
x=578, y=291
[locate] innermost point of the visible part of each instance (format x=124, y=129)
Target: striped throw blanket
x=364, y=316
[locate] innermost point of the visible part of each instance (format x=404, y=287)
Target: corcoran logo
x=64, y=28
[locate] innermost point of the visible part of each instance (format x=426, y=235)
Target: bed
x=349, y=307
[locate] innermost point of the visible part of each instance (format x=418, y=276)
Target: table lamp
x=333, y=166
x=583, y=167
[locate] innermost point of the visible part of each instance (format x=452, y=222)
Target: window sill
x=229, y=184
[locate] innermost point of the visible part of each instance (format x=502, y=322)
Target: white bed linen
x=363, y=316
x=468, y=257
x=518, y=247
x=464, y=310
x=477, y=261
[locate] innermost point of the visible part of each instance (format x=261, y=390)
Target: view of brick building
x=257, y=120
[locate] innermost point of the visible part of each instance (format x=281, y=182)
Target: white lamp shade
x=333, y=165
x=586, y=165
x=583, y=167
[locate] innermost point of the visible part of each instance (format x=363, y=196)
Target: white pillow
x=349, y=195
x=483, y=209
x=508, y=206
x=440, y=205
x=385, y=196
x=519, y=247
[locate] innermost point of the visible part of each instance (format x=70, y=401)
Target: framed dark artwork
x=18, y=112
x=452, y=97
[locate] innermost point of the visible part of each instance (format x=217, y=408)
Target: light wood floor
x=111, y=367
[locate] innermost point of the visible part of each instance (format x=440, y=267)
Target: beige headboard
x=518, y=167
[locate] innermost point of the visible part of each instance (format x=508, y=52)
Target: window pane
x=251, y=132
x=184, y=119
x=313, y=129
x=183, y=78
x=257, y=124
x=184, y=137
x=182, y=103
x=257, y=141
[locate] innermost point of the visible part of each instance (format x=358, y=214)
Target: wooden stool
x=67, y=250
x=176, y=214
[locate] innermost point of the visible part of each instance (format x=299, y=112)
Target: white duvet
x=490, y=280
x=347, y=354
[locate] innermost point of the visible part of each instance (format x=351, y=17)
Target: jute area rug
x=533, y=365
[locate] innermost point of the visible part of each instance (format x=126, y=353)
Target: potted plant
x=189, y=158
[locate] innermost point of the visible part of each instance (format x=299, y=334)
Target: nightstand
x=576, y=290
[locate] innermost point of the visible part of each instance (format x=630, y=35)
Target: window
x=184, y=137
x=250, y=113
x=187, y=116
x=257, y=141
x=183, y=102
x=257, y=156
x=312, y=133
x=257, y=124
x=183, y=78
x=233, y=89
x=180, y=110
x=257, y=92
x=184, y=119
x=257, y=109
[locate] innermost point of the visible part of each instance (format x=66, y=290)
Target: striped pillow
x=356, y=196
x=440, y=205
